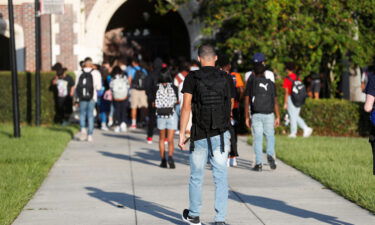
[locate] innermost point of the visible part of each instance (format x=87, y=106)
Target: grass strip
x=342, y=164
x=25, y=162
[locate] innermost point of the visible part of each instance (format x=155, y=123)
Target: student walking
x=208, y=93
x=165, y=103
x=88, y=82
x=293, y=100
x=138, y=98
x=260, y=95
x=120, y=89
x=62, y=86
x=369, y=107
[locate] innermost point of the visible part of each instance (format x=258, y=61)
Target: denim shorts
x=167, y=123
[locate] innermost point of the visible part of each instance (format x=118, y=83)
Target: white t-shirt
x=268, y=74
x=97, y=79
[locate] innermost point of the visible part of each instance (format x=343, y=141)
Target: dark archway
x=4, y=53
x=149, y=33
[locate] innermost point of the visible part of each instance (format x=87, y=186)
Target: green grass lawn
x=341, y=164
x=25, y=162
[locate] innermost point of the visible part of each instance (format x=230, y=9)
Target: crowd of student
x=140, y=95
x=200, y=101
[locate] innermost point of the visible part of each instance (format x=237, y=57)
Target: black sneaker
x=190, y=220
x=171, y=162
x=220, y=223
x=163, y=163
x=271, y=161
x=258, y=167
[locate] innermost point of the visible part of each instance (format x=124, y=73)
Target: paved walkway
x=116, y=181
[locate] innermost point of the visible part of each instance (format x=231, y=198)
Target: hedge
x=26, y=90
x=330, y=117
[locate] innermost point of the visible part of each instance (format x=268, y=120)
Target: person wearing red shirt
x=293, y=111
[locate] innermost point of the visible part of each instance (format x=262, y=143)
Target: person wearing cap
x=260, y=58
x=61, y=86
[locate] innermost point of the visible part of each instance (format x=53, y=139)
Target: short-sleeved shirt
x=190, y=85
x=289, y=84
x=130, y=70
x=250, y=85
x=370, y=87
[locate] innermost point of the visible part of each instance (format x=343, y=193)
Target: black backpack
x=212, y=103
x=299, y=92
x=85, y=87
x=262, y=95
x=139, y=81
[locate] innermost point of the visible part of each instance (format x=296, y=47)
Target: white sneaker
x=89, y=138
x=233, y=162
x=123, y=127
x=228, y=163
x=307, y=132
x=117, y=129
x=292, y=136
x=83, y=135
x=104, y=127
x=110, y=122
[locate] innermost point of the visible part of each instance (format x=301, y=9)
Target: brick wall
x=24, y=16
x=66, y=38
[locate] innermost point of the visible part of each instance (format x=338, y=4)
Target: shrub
x=26, y=90
x=332, y=117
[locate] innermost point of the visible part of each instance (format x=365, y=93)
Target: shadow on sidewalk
x=149, y=156
x=120, y=200
x=125, y=136
x=277, y=205
x=126, y=157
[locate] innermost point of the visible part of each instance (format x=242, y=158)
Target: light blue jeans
x=198, y=161
x=263, y=124
x=295, y=119
x=86, y=112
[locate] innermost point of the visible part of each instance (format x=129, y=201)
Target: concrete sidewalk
x=116, y=181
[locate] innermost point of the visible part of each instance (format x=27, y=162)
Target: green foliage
x=333, y=117
x=316, y=34
x=25, y=162
x=26, y=87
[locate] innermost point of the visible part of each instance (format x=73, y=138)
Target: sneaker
x=233, y=162
x=189, y=219
x=89, y=138
x=171, y=162
x=110, y=122
x=117, y=129
x=271, y=161
x=104, y=127
x=307, y=132
x=220, y=223
x=292, y=136
x=228, y=163
x=83, y=135
x=149, y=140
x=133, y=126
x=258, y=167
x=163, y=163
x=123, y=127
x=165, y=142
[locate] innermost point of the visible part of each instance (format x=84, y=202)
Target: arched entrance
x=99, y=19
x=4, y=53
x=4, y=46
x=148, y=33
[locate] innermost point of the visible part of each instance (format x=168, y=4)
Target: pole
x=13, y=60
x=37, y=62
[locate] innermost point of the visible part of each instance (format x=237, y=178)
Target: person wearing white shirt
x=86, y=106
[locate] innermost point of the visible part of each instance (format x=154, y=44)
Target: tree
x=316, y=34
